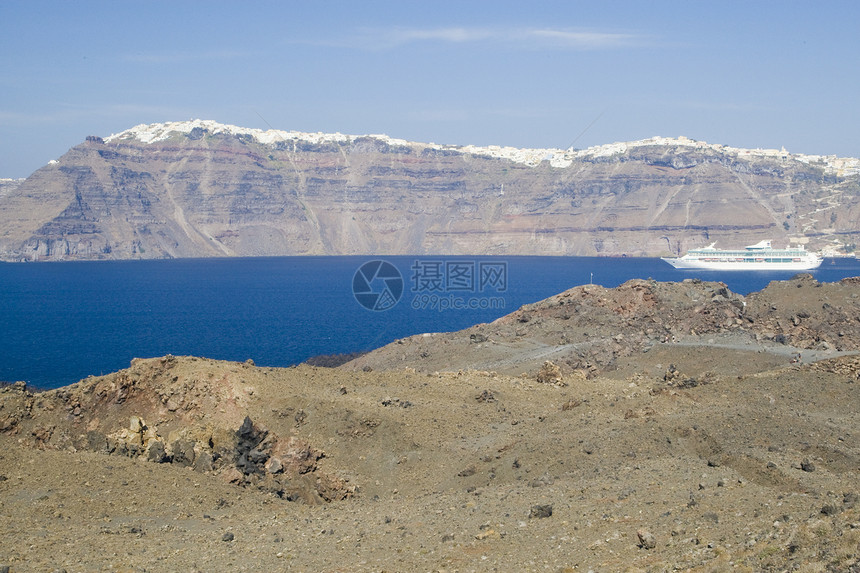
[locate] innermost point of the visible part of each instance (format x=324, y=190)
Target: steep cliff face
x=201, y=189
x=9, y=185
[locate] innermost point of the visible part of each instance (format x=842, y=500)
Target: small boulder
x=274, y=465
x=829, y=509
x=540, y=511
x=157, y=453
x=550, y=373
x=203, y=461
x=469, y=471
x=646, y=539
x=485, y=396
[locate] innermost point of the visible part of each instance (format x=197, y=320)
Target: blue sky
x=524, y=74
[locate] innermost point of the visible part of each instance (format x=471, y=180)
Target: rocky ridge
x=199, y=188
x=590, y=329
x=153, y=133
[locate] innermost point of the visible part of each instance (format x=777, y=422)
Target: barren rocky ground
x=651, y=427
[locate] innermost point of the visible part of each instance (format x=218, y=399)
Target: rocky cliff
x=9, y=185
x=202, y=189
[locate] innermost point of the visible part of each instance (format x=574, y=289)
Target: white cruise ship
x=758, y=257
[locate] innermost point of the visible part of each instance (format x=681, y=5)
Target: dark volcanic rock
x=540, y=511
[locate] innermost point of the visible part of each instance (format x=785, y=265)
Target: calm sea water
x=61, y=322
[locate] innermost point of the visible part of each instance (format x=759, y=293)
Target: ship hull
x=803, y=265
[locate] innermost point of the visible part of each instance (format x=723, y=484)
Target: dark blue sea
x=61, y=322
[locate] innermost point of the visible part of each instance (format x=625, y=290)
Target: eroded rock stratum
x=202, y=189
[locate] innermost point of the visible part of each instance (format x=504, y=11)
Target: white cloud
x=584, y=39
x=517, y=38
x=400, y=36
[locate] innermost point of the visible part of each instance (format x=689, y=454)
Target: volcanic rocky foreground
x=649, y=427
